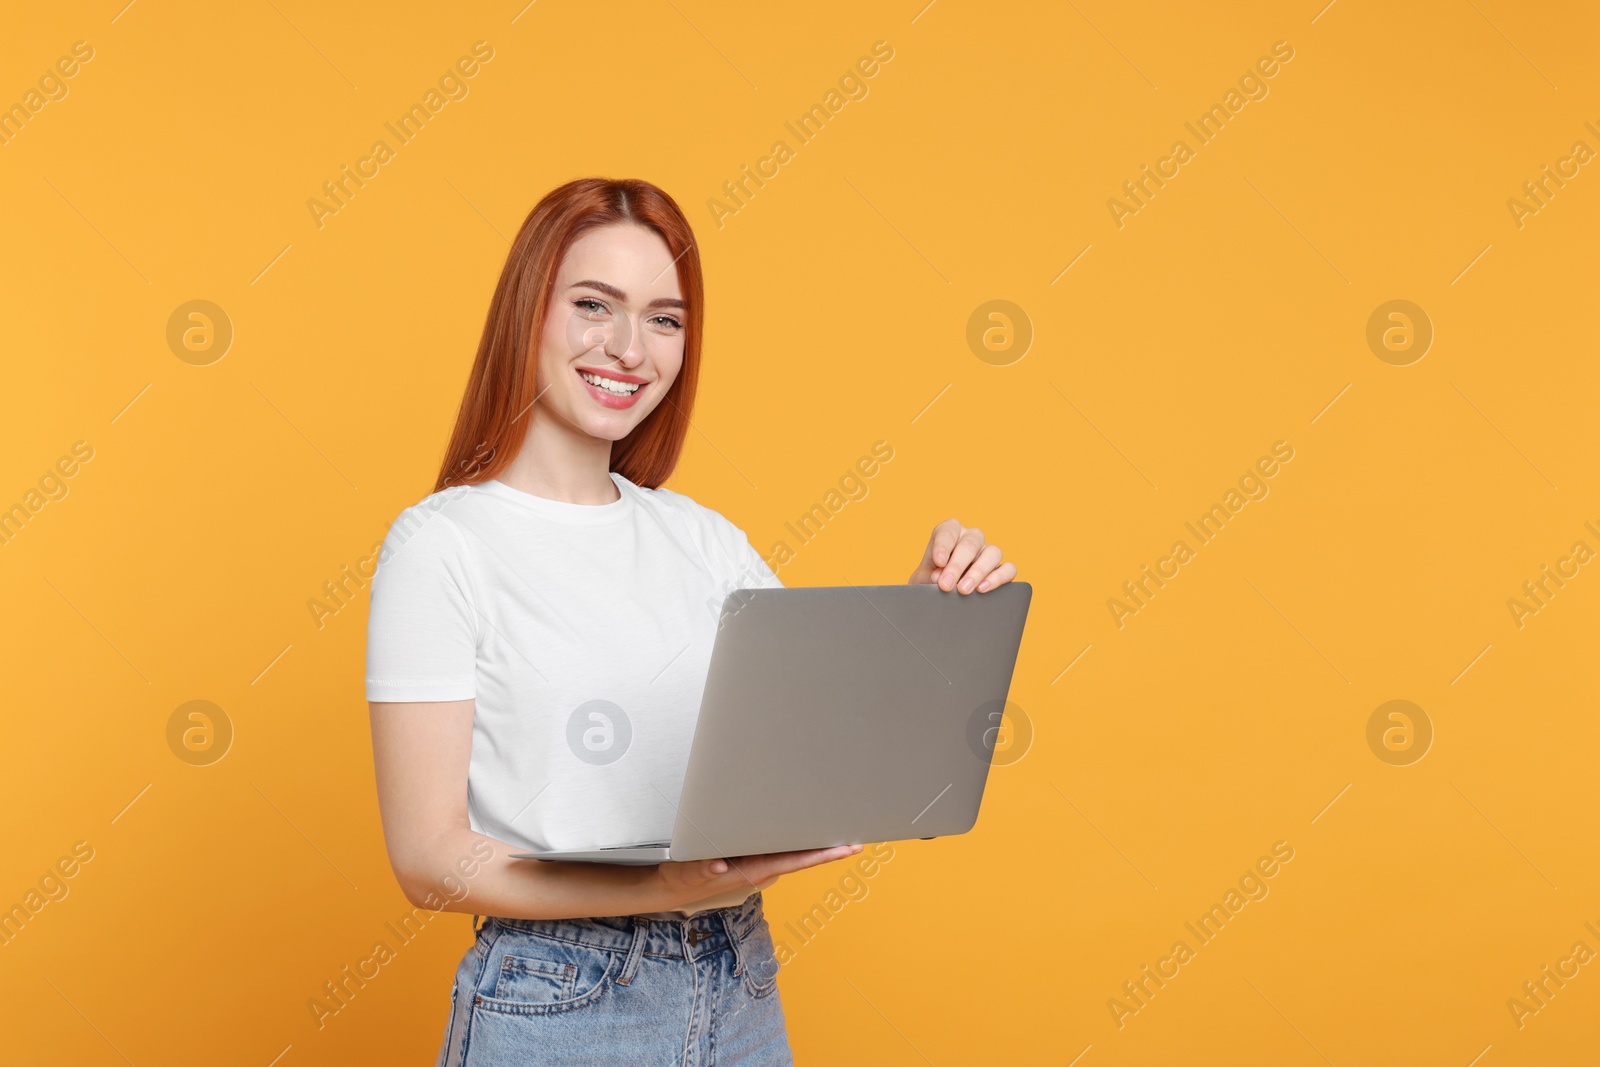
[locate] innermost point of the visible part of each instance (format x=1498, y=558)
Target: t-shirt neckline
x=565, y=511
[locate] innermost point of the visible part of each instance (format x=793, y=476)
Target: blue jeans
x=698, y=990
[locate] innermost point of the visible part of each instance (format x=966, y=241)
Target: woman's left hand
x=958, y=558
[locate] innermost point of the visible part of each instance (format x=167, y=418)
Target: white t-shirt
x=583, y=633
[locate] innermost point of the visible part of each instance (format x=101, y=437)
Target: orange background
x=1229, y=313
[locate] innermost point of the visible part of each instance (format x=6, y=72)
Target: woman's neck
x=560, y=463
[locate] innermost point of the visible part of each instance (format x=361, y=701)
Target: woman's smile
x=618, y=391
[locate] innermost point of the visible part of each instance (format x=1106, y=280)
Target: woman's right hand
x=686, y=882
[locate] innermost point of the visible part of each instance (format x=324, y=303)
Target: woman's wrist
x=657, y=893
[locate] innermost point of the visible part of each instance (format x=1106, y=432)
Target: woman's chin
x=609, y=429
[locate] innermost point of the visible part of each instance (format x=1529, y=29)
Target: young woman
x=540, y=633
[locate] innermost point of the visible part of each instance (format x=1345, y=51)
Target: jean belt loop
x=635, y=951
x=733, y=940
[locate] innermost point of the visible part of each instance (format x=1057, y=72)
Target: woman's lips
x=608, y=399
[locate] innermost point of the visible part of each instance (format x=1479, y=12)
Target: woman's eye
x=668, y=321
x=589, y=304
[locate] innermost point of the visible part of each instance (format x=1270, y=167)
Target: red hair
x=500, y=388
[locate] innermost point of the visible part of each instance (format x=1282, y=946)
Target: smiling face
x=613, y=336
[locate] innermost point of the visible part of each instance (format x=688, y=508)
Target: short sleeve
x=422, y=633
x=747, y=570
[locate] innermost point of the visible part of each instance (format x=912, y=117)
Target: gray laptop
x=841, y=714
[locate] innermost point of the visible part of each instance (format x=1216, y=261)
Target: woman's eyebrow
x=617, y=294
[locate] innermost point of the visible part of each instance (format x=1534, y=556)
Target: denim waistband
x=680, y=937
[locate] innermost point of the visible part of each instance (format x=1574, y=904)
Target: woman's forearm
x=469, y=872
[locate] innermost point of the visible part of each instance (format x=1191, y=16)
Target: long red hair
x=500, y=392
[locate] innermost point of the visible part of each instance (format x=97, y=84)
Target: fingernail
x=967, y=584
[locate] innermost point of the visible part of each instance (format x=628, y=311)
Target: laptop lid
x=839, y=714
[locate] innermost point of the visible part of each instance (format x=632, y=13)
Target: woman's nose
x=624, y=344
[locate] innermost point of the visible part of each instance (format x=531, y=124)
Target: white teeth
x=614, y=387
